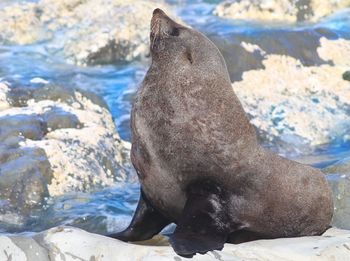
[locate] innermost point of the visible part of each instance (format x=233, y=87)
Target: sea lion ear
x=189, y=55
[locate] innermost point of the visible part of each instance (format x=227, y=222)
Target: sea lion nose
x=161, y=23
x=159, y=12
x=158, y=22
x=162, y=26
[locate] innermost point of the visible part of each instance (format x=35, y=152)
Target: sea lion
x=198, y=159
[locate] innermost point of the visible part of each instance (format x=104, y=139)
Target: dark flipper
x=203, y=225
x=242, y=236
x=146, y=223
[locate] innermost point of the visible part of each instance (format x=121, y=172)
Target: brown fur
x=188, y=124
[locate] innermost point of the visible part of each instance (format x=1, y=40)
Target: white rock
x=66, y=243
x=280, y=10
x=3, y=96
x=336, y=51
x=10, y=251
x=84, y=158
x=257, y=10
x=90, y=31
x=303, y=106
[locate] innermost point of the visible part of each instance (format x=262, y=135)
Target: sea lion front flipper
x=145, y=223
x=203, y=224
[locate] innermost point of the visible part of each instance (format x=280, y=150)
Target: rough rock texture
x=52, y=141
x=66, y=243
x=245, y=51
x=338, y=176
x=88, y=31
x=280, y=10
x=304, y=107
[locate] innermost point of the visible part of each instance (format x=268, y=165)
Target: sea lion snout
x=162, y=25
x=158, y=11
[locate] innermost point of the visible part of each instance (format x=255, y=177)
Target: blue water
x=111, y=208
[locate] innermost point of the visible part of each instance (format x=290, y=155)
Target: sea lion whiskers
x=155, y=30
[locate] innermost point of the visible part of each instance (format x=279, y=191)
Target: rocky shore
x=66, y=243
x=294, y=106
x=54, y=140
x=289, y=11
x=84, y=31
x=57, y=141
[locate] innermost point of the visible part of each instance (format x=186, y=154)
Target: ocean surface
x=111, y=209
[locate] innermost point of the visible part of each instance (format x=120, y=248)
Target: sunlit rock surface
x=297, y=107
x=279, y=10
x=338, y=176
x=67, y=243
x=54, y=140
x=86, y=31
x=244, y=51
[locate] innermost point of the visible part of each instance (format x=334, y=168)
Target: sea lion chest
x=185, y=129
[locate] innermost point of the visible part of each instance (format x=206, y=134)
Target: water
x=111, y=209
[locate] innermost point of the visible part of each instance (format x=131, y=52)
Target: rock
x=298, y=107
x=54, y=140
x=20, y=24
x=336, y=51
x=238, y=59
x=279, y=10
x=346, y=76
x=338, y=175
x=29, y=126
x=244, y=51
x=24, y=177
x=57, y=118
x=67, y=243
x=3, y=96
x=87, y=32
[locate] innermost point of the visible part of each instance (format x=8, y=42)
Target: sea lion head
x=178, y=46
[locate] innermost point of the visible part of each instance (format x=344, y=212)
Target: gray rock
x=85, y=32
x=29, y=126
x=281, y=10
x=300, y=44
x=238, y=59
x=346, y=76
x=31, y=248
x=294, y=106
x=338, y=175
x=54, y=140
x=67, y=243
x=56, y=118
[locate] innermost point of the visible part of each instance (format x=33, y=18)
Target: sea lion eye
x=175, y=32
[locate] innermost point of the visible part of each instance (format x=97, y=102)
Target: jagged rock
x=298, y=107
x=87, y=31
x=244, y=51
x=280, y=10
x=54, y=140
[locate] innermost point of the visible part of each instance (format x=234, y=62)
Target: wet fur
x=188, y=126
